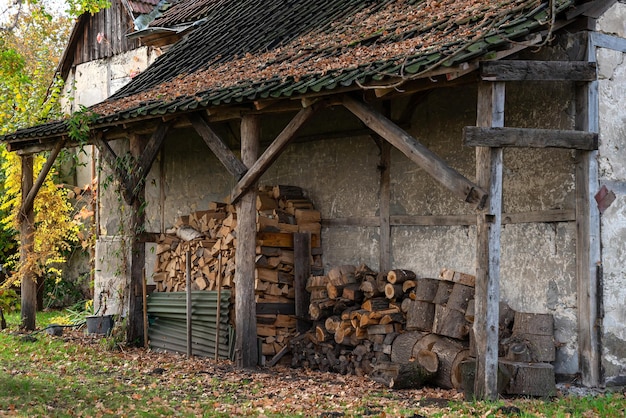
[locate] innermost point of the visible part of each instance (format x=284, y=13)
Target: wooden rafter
x=274, y=150
x=27, y=203
x=235, y=167
x=418, y=153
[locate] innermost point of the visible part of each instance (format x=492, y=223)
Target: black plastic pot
x=99, y=324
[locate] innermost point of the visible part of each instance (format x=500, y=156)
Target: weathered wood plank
x=235, y=167
x=540, y=216
x=602, y=40
x=588, y=252
x=518, y=70
x=273, y=151
x=246, y=348
x=27, y=240
x=490, y=112
x=107, y=153
x=475, y=136
x=384, y=205
x=27, y=203
x=149, y=153
x=418, y=153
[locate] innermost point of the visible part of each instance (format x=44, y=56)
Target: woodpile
x=395, y=327
x=407, y=331
x=281, y=211
x=210, y=238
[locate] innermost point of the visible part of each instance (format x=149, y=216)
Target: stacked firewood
x=209, y=237
x=371, y=323
x=281, y=212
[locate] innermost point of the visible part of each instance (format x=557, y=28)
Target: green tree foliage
x=29, y=95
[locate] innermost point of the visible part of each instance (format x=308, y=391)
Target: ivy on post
x=27, y=240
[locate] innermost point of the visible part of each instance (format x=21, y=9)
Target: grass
x=74, y=375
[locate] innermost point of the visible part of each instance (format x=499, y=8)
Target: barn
x=476, y=137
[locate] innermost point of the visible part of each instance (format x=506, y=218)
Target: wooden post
x=384, y=200
x=246, y=347
x=588, y=251
x=27, y=232
x=490, y=112
x=302, y=271
x=135, y=331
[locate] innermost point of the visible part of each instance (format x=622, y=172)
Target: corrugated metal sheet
x=167, y=331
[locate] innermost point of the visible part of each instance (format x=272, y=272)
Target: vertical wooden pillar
x=490, y=113
x=27, y=232
x=134, y=331
x=246, y=348
x=301, y=273
x=588, y=251
x=384, y=201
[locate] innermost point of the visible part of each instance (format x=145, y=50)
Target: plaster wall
x=612, y=155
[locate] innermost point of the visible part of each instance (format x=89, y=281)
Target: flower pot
x=99, y=324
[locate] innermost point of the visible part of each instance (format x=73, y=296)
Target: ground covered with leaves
x=77, y=375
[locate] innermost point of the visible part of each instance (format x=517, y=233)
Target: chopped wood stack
x=526, y=350
x=370, y=323
x=209, y=235
x=281, y=211
x=211, y=239
x=405, y=331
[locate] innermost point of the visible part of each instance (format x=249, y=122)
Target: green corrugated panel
x=168, y=325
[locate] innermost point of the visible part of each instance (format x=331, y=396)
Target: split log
x=450, y=322
x=400, y=276
x=530, y=379
x=447, y=351
x=529, y=348
x=426, y=289
x=401, y=376
x=402, y=347
x=443, y=292
x=420, y=316
x=460, y=297
x=457, y=277
x=532, y=323
x=394, y=291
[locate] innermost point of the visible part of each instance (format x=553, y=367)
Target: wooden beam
x=27, y=203
x=27, y=239
x=517, y=70
x=490, y=112
x=246, y=348
x=235, y=167
x=477, y=136
x=588, y=250
x=540, y=216
x=603, y=40
x=430, y=162
x=384, y=201
x=273, y=151
x=146, y=157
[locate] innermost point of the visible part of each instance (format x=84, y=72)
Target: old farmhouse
x=480, y=137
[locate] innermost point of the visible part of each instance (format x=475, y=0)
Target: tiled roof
x=142, y=6
x=269, y=49
x=185, y=11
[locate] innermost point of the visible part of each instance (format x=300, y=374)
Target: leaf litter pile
x=74, y=375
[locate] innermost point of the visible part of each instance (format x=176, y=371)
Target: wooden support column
x=134, y=331
x=27, y=232
x=490, y=113
x=246, y=348
x=588, y=252
x=384, y=211
x=302, y=271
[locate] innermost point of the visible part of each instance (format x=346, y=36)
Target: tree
x=13, y=12
x=30, y=48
